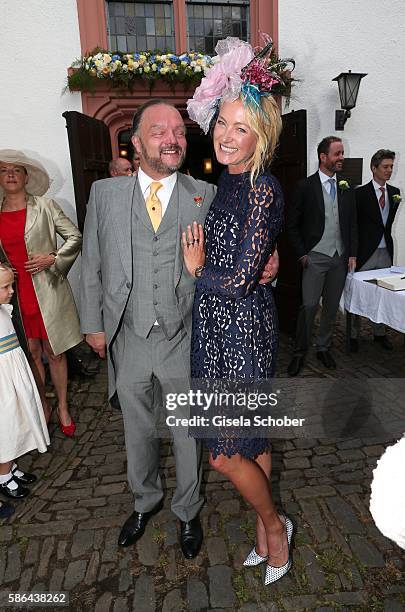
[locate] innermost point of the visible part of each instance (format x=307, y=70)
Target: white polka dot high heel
x=254, y=559
x=274, y=573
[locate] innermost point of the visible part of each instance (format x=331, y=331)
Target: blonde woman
x=235, y=332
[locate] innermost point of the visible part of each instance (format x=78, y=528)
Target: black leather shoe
x=6, y=510
x=191, y=537
x=134, y=527
x=354, y=345
x=326, y=358
x=76, y=366
x=115, y=402
x=295, y=366
x=25, y=478
x=17, y=493
x=384, y=342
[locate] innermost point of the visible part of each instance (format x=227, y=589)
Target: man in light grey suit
x=136, y=301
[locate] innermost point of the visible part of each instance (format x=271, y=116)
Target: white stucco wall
x=39, y=40
x=327, y=37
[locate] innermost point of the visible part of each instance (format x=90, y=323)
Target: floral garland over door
x=122, y=70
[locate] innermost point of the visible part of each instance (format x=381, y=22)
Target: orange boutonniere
x=198, y=201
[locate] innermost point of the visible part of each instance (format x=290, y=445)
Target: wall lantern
x=207, y=165
x=348, y=83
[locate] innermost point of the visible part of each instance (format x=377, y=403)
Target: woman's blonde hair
x=265, y=121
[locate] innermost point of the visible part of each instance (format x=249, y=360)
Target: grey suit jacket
x=106, y=276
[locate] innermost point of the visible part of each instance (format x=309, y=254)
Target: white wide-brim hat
x=38, y=178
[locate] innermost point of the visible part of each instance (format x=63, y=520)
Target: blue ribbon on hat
x=252, y=93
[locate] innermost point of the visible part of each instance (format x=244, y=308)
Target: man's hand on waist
x=270, y=270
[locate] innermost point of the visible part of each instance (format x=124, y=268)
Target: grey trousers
x=379, y=259
x=139, y=362
x=323, y=277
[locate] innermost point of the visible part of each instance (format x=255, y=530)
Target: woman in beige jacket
x=29, y=225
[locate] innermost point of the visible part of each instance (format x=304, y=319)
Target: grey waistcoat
x=153, y=293
x=384, y=215
x=331, y=240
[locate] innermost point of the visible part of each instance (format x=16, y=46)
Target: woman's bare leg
x=58, y=371
x=264, y=460
x=5, y=468
x=38, y=370
x=253, y=484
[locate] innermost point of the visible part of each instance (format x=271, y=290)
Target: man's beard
x=334, y=166
x=156, y=163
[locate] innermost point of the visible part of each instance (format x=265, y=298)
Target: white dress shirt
x=325, y=181
x=164, y=194
x=378, y=190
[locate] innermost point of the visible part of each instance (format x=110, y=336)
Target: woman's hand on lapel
x=193, y=247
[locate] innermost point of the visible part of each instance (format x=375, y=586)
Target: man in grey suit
x=136, y=300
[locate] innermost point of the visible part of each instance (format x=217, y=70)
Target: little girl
x=22, y=422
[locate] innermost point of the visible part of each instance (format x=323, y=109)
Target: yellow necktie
x=154, y=205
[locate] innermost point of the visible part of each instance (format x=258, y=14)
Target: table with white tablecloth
x=378, y=304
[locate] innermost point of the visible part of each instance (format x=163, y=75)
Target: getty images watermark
x=287, y=408
x=219, y=409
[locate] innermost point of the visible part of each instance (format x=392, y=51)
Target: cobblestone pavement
x=64, y=536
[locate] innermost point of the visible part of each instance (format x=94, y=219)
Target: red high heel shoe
x=67, y=430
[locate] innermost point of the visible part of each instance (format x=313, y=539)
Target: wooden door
x=90, y=152
x=289, y=167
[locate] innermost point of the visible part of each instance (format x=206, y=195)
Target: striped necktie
x=381, y=201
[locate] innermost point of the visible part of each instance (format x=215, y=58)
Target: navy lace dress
x=235, y=329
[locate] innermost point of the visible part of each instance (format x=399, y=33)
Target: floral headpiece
x=237, y=70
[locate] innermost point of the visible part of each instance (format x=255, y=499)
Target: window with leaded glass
x=208, y=22
x=140, y=26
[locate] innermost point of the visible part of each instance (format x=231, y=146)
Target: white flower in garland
x=387, y=502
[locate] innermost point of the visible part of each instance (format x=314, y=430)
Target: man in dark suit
x=376, y=209
x=323, y=233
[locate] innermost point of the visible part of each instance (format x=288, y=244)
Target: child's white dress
x=22, y=423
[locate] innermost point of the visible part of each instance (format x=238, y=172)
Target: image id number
x=17, y=599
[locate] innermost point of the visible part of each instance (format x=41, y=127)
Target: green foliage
x=241, y=591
